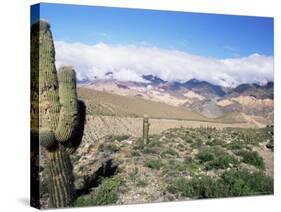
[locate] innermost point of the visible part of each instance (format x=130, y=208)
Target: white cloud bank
x=130, y=62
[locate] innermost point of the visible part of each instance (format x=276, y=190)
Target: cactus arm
x=69, y=116
x=77, y=138
x=49, y=107
x=47, y=138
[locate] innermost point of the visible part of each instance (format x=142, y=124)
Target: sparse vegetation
x=216, y=158
x=168, y=151
x=105, y=194
x=153, y=164
x=229, y=184
x=183, y=162
x=251, y=157
x=111, y=147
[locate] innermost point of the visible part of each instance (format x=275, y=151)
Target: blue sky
x=222, y=49
x=203, y=34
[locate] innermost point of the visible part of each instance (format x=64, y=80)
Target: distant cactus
x=146, y=125
x=61, y=116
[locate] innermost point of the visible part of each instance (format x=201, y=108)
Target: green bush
x=135, y=153
x=202, y=187
x=197, y=143
x=215, y=142
x=150, y=150
x=192, y=165
x=234, y=146
x=242, y=183
x=177, y=166
x=111, y=147
x=205, y=156
x=154, y=141
x=215, y=157
x=169, y=151
x=153, y=164
x=252, y=158
x=210, y=153
x=105, y=194
x=85, y=200
x=231, y=183
x=221, y=162
x=141, y=183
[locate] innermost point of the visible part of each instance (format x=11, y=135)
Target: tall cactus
x=146, y=125
x=61, y=115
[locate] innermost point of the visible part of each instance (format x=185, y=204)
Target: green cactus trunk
x=61, y=181
x=145, y=130
x=59, y=121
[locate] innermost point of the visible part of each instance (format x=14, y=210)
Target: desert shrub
x=202, y=187
x=242, y=183
x=187, y=139
x=210, y=153
x=111, y=147
x=192, y=165
x=107, y=191
x=214, y=153
x=221, y=162
x=231, y=183
x=105, y=194
x=188, y=159
x=251, y=157
x=215, y=142
x=85, y=200
x=150, y=150
x=215, y=158
x=141, y=183
x=205, y=155
x=169, y=151
x=138, y=145
x=133, y=175
x=153, y=164
x=135, y=153
x=154, y=141
x=177, y=166
x=197, y=143
x=250, y=136
x=234, y=146
x=117, y=137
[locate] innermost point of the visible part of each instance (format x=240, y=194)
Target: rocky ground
x=177, y=164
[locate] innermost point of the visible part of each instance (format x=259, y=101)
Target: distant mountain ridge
x=203, y=97
x=206, y=88
x=199, y=86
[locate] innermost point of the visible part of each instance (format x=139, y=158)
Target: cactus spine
x=146, y=125
x=59, y=113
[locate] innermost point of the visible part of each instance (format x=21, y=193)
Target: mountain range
x=210, y=100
